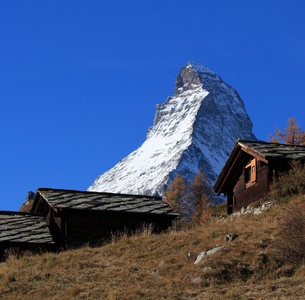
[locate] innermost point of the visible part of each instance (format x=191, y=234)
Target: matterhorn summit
x=197, y=127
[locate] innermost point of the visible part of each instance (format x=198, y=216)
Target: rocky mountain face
x=25, y=207
x=197, y=127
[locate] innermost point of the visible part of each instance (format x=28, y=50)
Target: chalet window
x=250, y=172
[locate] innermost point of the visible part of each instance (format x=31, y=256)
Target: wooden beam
x=254, y=154
x=224, y=173
x=48, y=217
x=228, y=173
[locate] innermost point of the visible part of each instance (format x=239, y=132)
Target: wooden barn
x=24, y=231
x=250, y=168
x=78, y=217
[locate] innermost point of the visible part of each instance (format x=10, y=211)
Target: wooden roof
x=263, y=151
x=17, y=227
x=96, y=201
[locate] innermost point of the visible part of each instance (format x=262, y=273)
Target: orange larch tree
x=200, y=197
x=176, y=196
x=292, y=134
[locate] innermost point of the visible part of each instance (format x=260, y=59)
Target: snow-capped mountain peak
x=197, y=127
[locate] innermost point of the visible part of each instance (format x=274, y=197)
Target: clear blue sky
x=79, y=80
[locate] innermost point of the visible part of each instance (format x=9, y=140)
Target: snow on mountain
x=197, y=127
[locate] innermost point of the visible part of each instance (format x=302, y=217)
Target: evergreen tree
x=200, y=197
x=292, y=134
x=176, y=196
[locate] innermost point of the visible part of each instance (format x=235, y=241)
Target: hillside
x=162, y=266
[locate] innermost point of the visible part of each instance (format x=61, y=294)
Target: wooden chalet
x=78, y=217
x=24, y=231
x=250, y=168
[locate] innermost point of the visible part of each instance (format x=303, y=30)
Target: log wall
x=246, y=193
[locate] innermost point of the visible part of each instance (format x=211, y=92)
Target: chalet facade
x=250, y=168
x=77, y=217
x=24, y=231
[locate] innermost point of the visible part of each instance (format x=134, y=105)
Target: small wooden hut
x=78, y=217
x=251, y=166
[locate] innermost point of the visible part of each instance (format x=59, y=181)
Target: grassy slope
x=244, y=269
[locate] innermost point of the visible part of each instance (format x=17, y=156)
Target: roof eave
x=218, y=186
x=253, y=153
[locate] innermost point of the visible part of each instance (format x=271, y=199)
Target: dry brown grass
x=148, y=266
x=290, y=244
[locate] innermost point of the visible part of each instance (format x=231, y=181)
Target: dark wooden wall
x=78, y=227
x=246, y=193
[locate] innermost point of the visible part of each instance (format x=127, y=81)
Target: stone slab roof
x=17, y=227
x=275, y=150
x=70, y=199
